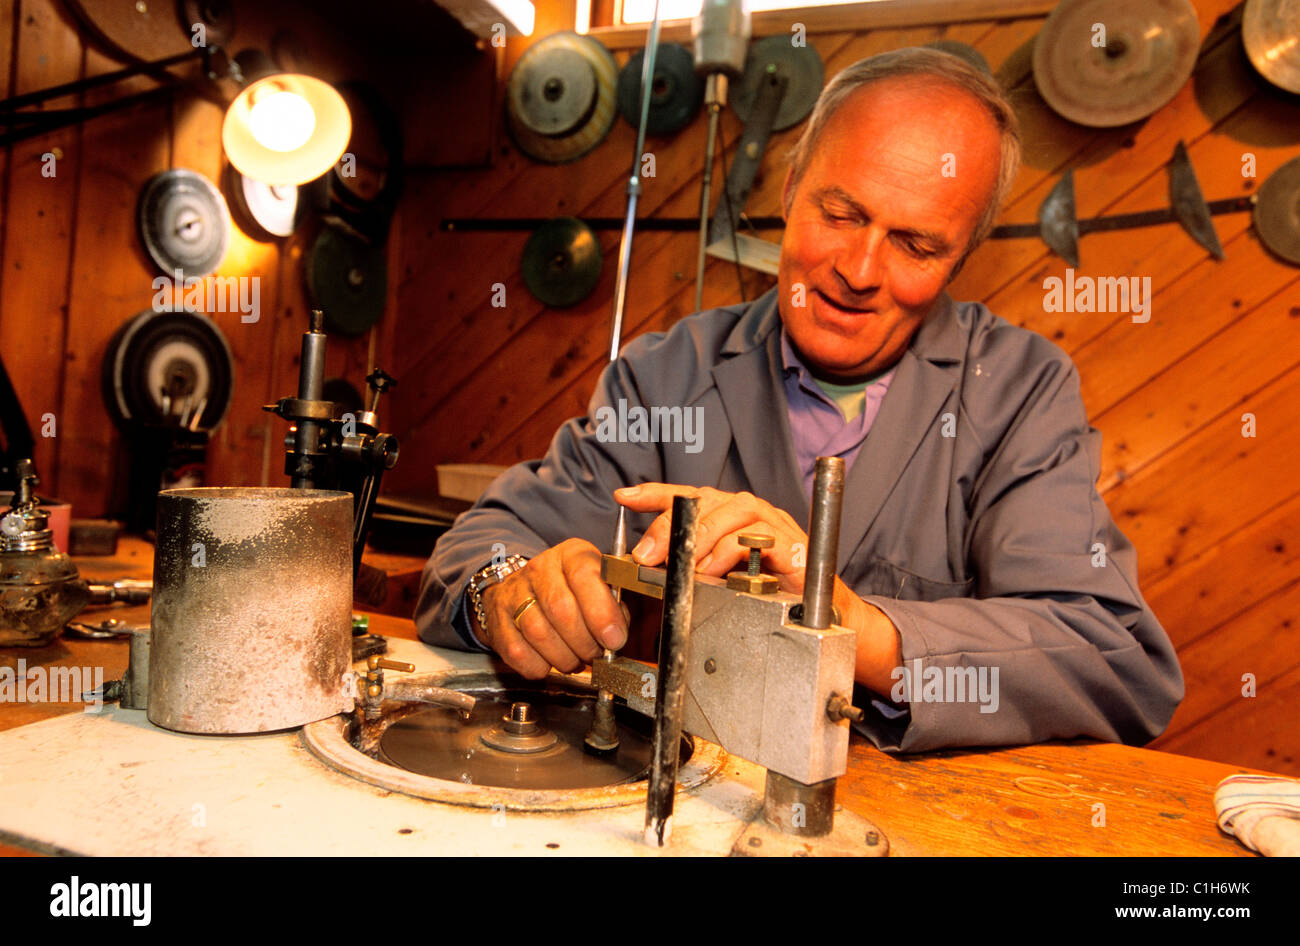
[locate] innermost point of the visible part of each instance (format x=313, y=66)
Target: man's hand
x=723, y=517
x=574, y=618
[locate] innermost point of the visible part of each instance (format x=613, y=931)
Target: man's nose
x=858, y=262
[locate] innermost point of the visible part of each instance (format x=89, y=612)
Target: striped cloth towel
x=1263, y=811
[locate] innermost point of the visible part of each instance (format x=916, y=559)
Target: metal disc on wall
x=800, y=65
x=1277, y=212
x=263, y=211
x=1270, y=31
x=676, y=92
x=216, y=16
x=1105, y=63
x=347, y=279
x=560, y=97
x=162, y=365
x=184, y=222
x=561, y=262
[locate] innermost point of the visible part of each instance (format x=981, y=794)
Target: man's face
x=898, y=180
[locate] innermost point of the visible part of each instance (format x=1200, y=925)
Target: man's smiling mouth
x=842, y=306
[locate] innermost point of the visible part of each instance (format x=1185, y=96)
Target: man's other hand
x=574, y=618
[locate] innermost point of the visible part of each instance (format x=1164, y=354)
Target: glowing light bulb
x=282, y=121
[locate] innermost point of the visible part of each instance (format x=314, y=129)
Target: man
x=972, y=535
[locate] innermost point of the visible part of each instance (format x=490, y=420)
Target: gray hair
x=942, y=66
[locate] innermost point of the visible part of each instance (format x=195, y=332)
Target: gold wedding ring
x=519, y=611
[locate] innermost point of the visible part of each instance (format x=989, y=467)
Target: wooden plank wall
x=72, y=268
x=1213, y=514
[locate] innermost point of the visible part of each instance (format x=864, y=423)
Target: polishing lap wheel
x=560, y=97
x=1146, y=54
x=182, y=354
x=438, y=743
x=676, y=92
x=800, y=65
x=1277, y=212
x=184, y=222
x=347, y=279
x=561, y=262
x=263, y=211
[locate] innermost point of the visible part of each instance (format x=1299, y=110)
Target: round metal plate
x=560, y=97
x=348, y=280
x=802, y=68
x=263, y=211
x=217, y=17
x=676, y=91
x=182, y=355
x=1148, y=54
x=962, y=51
x=437, y=743
x=1277, y=212
x=1270, y=31
x=561, y=262
x=184, y=222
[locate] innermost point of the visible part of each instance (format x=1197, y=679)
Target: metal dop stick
x=674, y=640
x=823, y=542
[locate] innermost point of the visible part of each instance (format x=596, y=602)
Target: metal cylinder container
x=252, y=609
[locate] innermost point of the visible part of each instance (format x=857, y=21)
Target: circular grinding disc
x=560, y=97
x=561, y=262
x=1149, y=53
x=1269, y=30
x=184, y=222
x=1277, y=212
x=676, y=91
x=263, y=211
x=180, y=354
x=436, y=742
x=802, y=68
x=347, y=279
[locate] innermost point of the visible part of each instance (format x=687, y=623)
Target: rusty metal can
x=252, y=609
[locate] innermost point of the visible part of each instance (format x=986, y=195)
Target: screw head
x=755, y=540
x=710, y=665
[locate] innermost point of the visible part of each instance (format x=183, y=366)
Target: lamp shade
x=286, y=129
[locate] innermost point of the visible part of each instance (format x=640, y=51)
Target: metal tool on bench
x=762, y=673
x=40, y=587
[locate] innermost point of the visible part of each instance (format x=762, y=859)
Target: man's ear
x=787, y=193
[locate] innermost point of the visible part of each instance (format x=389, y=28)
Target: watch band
x=491, y=574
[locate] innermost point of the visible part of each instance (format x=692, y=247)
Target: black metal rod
x=311, y=383
x=524, y=224
x=674, y=640
x=823, y=542
x=107, y=78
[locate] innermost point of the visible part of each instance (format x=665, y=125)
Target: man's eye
x=919, y=250
x=838, y=216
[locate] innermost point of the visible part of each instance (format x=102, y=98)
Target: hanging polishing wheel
x=263, y=211
x=347, y=278
x=676, y=92
x=1277, y=212
x=184, y=222
x=1105, y=79
x=560, y=97
x=800, y=65
x=561, y=262
x=1270, y=31
x=217, y=17
x=160, y=364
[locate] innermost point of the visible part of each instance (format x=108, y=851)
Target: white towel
x=1263, y=811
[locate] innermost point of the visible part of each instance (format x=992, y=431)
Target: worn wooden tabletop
x=1078, y=798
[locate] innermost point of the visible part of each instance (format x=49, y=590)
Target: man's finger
x=537, y=631
x=647, y=497
x=600, y=611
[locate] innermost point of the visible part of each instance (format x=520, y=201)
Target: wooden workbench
x=1034, y=800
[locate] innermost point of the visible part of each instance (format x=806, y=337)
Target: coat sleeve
x=538, y=504
x=1057, y=627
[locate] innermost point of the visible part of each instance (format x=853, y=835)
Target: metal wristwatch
x=492, y=574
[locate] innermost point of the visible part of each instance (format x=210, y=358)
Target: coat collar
x=749, y=382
